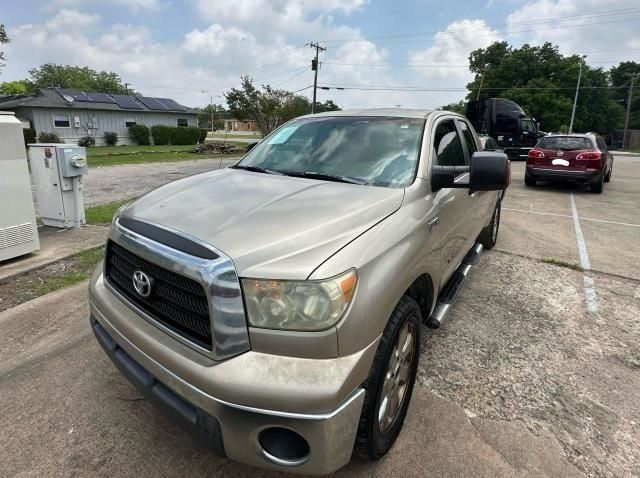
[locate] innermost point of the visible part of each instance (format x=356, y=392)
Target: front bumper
x=543, y=173
x=223, y=404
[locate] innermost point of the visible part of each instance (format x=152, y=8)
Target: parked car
x=582, y=158
x=275, y=307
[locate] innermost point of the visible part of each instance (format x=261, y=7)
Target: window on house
x=130, y=122
x=61, y=121
x=183, y=122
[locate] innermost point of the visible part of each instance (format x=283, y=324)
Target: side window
x=447, y=145
x=470, y=142
x=600, y=144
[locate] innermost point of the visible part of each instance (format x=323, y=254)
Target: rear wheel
x=489, y=235
x=390, y=382
x=599, y=186
x=529, y=181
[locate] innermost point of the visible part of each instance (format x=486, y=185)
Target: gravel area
x=519, y=345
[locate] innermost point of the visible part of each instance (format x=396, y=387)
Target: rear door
x=455, y=206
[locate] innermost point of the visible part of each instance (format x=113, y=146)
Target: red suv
x=582, y=158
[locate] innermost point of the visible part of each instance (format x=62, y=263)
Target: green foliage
x=139, y=134
x=326, y=106
x=17, y=87
x=76, y=77
x=180, y=135
x=204, y=115
x=203, y=135
x=543, y=82
x=620, y=76
x=45, y=137
x=268, y=107
x=161, y=134
x=3, y=39
x=87, y=141
x=459, y=107
x=110, y=138
x=103, y=213
x=29, y=135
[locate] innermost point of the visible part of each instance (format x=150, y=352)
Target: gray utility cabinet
x=57, y=171
x=18, y=229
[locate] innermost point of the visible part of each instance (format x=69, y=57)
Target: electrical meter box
x=18, y=229
x=57, y=171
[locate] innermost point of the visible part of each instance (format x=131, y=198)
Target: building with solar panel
x=72, y=114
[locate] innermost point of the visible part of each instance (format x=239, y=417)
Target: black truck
x=506, y=122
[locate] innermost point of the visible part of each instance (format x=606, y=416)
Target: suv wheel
x=489, y=235
x=529, y=181
x=607, y=178
x=390, y=382
x=599, y=186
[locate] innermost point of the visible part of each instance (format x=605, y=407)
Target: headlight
x=298, y=305
x=119, y=210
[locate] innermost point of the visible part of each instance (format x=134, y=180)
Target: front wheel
x=489, y=235
x=607, y=178
x=390, y=382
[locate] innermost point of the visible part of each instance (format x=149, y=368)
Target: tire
x=529, y=181
x=599, y=186
x=375, y=437
x=489, y=235
x=607, y=178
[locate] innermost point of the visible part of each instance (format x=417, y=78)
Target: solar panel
x=152, y=103
x=76, y=95
x=127, y=102
x=170, y=104
x=99, y=98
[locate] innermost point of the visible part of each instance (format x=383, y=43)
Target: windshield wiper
x=325, y=177
x=256, y=169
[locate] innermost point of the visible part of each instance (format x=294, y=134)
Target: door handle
x=433, y=223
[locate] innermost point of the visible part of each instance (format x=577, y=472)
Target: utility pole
x=626, y=118
x=314, y=66
x=480, y=89
x=126, y=88
x=575, y=99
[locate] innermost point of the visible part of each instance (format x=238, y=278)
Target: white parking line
x=567, y=215
x=589, y=288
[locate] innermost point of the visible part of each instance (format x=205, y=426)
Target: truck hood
x=271, y=226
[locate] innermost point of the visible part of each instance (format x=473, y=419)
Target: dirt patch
x=21, y=288
x=533, y=353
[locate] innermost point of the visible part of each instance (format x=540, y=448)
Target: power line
x=304, y=69
x=423, y=89
x=495, y=25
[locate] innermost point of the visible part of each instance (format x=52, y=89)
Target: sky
x=191, y=50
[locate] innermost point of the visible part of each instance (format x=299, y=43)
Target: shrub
x=87, y=141
x=203, y=135
x=161, y=134
x=185, y=135
x=44, y=137
x=29, y=135
x=110, y=138
x=139, y=134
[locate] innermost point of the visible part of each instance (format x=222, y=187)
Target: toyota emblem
x=142, y=284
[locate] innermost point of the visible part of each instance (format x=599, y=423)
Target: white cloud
x=132, y=5
x=577, y=29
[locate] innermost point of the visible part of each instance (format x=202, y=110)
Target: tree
x=620, y=77
x=269, y=107
x=76, y=78
x=543, y=82
x=17, y=87
x=3, y=39
x=204, y=115
x=459, y=107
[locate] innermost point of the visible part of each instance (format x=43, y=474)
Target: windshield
x=376, y=151
x=528, y=126
x=567, y=143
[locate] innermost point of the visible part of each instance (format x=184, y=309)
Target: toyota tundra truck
x=274, y=309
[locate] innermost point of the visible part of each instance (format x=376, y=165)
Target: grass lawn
x=116, y=155
x=103, y=214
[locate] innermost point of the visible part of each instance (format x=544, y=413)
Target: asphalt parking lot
x=535, y=372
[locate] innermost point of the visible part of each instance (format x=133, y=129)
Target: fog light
x=283, y=447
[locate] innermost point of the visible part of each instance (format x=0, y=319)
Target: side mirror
x=489, y=171
x=250, y=146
